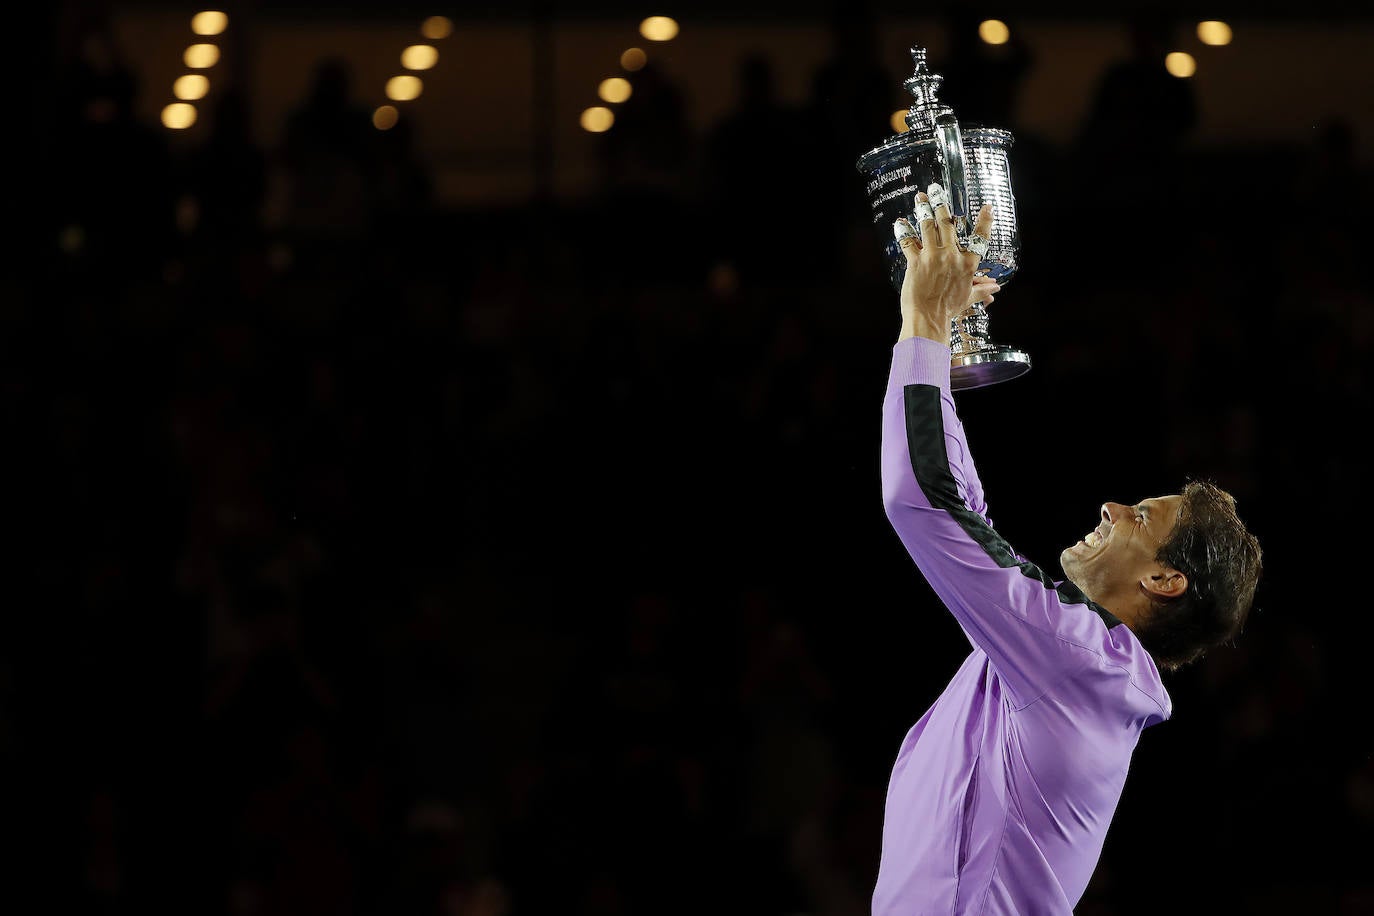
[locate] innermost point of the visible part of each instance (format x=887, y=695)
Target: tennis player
x=1001, y=795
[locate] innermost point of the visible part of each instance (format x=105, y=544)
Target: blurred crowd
x=376, y=556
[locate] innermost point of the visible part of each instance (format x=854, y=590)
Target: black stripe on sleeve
x=925, y=436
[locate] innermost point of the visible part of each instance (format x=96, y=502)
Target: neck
x=1127, y=608
x=1128, y=612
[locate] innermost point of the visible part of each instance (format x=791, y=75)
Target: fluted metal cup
x=972, y=164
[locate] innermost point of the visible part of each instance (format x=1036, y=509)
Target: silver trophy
x=971, y=164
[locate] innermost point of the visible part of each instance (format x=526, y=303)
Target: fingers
x=983, y=289
x=907, y=239
x=925, y=217
x=983, y=226
x=979, y=240
x=944, y=232
x=935, y=224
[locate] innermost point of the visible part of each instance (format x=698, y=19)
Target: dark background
x=429, y=562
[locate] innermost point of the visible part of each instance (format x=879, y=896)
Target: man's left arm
x=1034, y=632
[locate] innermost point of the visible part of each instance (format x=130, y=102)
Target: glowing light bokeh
x=71, y=239
x=190, y=87
x=404, y=88
x=419, y=57
x=178, y=116
x=633, y=59
x=201, y=57
x=597, y=119
x=898, y=121
x=209, y=22
x=385, y=117
x=994, y=31
x=1214, y=32
x=436, y=27
x=723, y=280
x=614, y=90
x=1180, y=64
x=659, y=28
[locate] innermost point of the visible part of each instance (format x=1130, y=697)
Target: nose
x=1111, y=511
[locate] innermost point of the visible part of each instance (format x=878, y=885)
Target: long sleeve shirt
x=1002, y=793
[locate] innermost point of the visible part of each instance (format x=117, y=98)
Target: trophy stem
x=977, y=361
x=969, y=331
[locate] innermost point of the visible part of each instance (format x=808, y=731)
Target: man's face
x=1112, y=561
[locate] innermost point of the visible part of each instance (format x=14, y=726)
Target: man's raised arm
x=1033, y=633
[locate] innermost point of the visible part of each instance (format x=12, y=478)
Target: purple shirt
x=1002, y=793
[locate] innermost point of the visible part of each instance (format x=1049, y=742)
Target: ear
x=1165, y=583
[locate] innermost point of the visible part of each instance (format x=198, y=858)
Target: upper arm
x=1033, y=630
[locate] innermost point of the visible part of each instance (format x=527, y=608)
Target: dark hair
x=1221, y=558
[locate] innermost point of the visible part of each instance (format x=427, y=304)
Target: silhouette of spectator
x=646, y=160
x=115, y=202
x=1335, y=173
x=402, y=191
x=848, y=112
x=1137, y=104
x=328, y=157
x=851, y=92
x=983, y=85
x=983, y=81
x=753, y=175
x=1140, y=115
x=1131, y=140
x=647, y=153
x=226, y=180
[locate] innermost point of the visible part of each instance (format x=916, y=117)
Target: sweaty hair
x=1221, y=558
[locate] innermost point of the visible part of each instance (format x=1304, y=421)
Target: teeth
x=1093, y=539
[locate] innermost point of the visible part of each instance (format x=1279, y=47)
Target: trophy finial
x=972, y=166
x=924, y=87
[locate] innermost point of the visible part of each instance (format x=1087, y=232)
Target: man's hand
x=939, y=282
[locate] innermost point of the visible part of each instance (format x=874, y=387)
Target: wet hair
x=1221, y=558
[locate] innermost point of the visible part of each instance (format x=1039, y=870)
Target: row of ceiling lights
x=198, y=57
x=1181, y=64
x=406, y=87
x=201, y=56
x=616, y=89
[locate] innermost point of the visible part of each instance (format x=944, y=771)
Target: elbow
x=896, y=516
x=889, y=492
x=900, y=488
x=896, y=505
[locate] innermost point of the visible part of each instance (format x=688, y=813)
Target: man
x=1002, y=793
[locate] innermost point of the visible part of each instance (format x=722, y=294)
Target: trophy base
x=987, y=367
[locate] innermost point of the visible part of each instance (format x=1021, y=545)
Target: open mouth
x=1099, y=534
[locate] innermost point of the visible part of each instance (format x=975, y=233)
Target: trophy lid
x=924, y=87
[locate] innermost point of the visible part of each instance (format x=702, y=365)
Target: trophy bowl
x=972, y=164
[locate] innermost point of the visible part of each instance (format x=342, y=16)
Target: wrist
x=921, y=326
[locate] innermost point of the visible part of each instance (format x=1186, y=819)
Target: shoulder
x=1126, y=672
x=1119, y=668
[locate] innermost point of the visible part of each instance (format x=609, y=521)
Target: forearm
x=921, y=326
x=920, y=359
x=923, y=362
